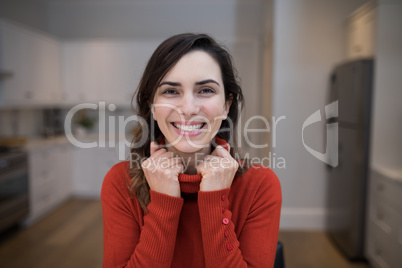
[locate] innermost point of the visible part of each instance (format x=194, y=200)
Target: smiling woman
x=199, y=101
x=184, y=200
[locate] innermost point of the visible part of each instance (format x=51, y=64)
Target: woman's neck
x=191, y=160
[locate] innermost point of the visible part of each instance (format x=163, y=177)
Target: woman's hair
x=162, y=60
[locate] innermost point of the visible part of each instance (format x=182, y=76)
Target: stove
x=14, y=201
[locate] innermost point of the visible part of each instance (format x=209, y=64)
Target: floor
x=72, y=237
x=312, y=250
x=69, y=237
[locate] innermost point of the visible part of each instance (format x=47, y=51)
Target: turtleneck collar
x=191, y=183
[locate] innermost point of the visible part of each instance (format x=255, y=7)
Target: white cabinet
x=384, y=228
x=90, y=168
x=361, y=32
x=45, y=72
x=13, y=56
x=50, y=178
x=96, y=71
x=33, y=60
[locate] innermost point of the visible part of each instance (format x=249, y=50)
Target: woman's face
x=189, y=104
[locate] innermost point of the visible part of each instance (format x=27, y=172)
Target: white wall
x=309, y=39
x=386, y=150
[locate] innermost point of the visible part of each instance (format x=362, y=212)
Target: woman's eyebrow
x=173, y=84
x=203, y=82
x=177, y=84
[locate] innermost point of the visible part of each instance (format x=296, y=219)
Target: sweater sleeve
x=256, y=245
x=126, y=242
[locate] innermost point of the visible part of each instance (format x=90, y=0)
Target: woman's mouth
x=187, y=129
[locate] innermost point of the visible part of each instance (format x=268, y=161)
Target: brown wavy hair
x=162, y=60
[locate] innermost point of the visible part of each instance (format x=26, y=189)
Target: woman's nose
x=189, y=106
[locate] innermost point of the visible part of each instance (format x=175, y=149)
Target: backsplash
x=21, y=122
x=31, y=123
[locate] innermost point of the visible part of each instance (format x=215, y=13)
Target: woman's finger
x=153, y=147
x=168, y=162
x=220, y=151
x=208, y=157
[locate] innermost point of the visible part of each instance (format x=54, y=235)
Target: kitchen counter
x=39, y=142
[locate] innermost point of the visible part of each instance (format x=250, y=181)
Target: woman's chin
x=188, y=148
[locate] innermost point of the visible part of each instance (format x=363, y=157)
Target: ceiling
x=140, y=1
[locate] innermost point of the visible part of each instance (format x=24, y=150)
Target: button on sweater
x=234, y=227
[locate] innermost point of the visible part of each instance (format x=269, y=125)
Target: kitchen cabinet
x=108, y=71
x=50, y=173
x=384, y=228
x=90, y=168
x=361, y=32
x=32, y=60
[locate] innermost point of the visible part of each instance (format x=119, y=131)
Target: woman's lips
x=188, y=123
x=189, y=129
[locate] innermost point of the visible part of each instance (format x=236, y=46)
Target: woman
x=184, y=201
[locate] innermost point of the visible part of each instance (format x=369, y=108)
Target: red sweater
x=234, y=227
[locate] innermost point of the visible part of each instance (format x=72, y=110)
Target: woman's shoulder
x=116, y=179
x=261, y=178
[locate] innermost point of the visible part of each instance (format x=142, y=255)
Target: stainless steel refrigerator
x=351, y=83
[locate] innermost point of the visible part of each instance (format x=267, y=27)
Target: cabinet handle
x=6, y=75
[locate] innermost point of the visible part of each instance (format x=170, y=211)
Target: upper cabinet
x=31, y=66
x=361, y=32
x=36, y=69
x=107, y=71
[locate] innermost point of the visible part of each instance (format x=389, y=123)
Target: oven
x=14, y=202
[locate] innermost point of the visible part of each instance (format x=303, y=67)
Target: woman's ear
x=227, y=104
x=152, y=108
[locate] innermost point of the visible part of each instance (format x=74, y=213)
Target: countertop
x=40, y=142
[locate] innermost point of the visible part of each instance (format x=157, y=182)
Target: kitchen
x=59, y=54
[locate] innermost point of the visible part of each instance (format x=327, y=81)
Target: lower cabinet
x=60, y=170
x=50, y=184
x=384, y=228
x=90, y=168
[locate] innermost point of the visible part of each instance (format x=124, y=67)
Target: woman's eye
x=207, y=90
x=170, y=91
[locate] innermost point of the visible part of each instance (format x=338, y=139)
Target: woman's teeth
x=188, y=128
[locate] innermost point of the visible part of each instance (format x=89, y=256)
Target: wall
x=309, y=39
x=386, y=150
x=266, y=96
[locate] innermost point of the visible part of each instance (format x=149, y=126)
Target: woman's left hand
x=217, y=170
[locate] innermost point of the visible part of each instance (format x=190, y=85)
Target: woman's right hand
x=162, y=171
